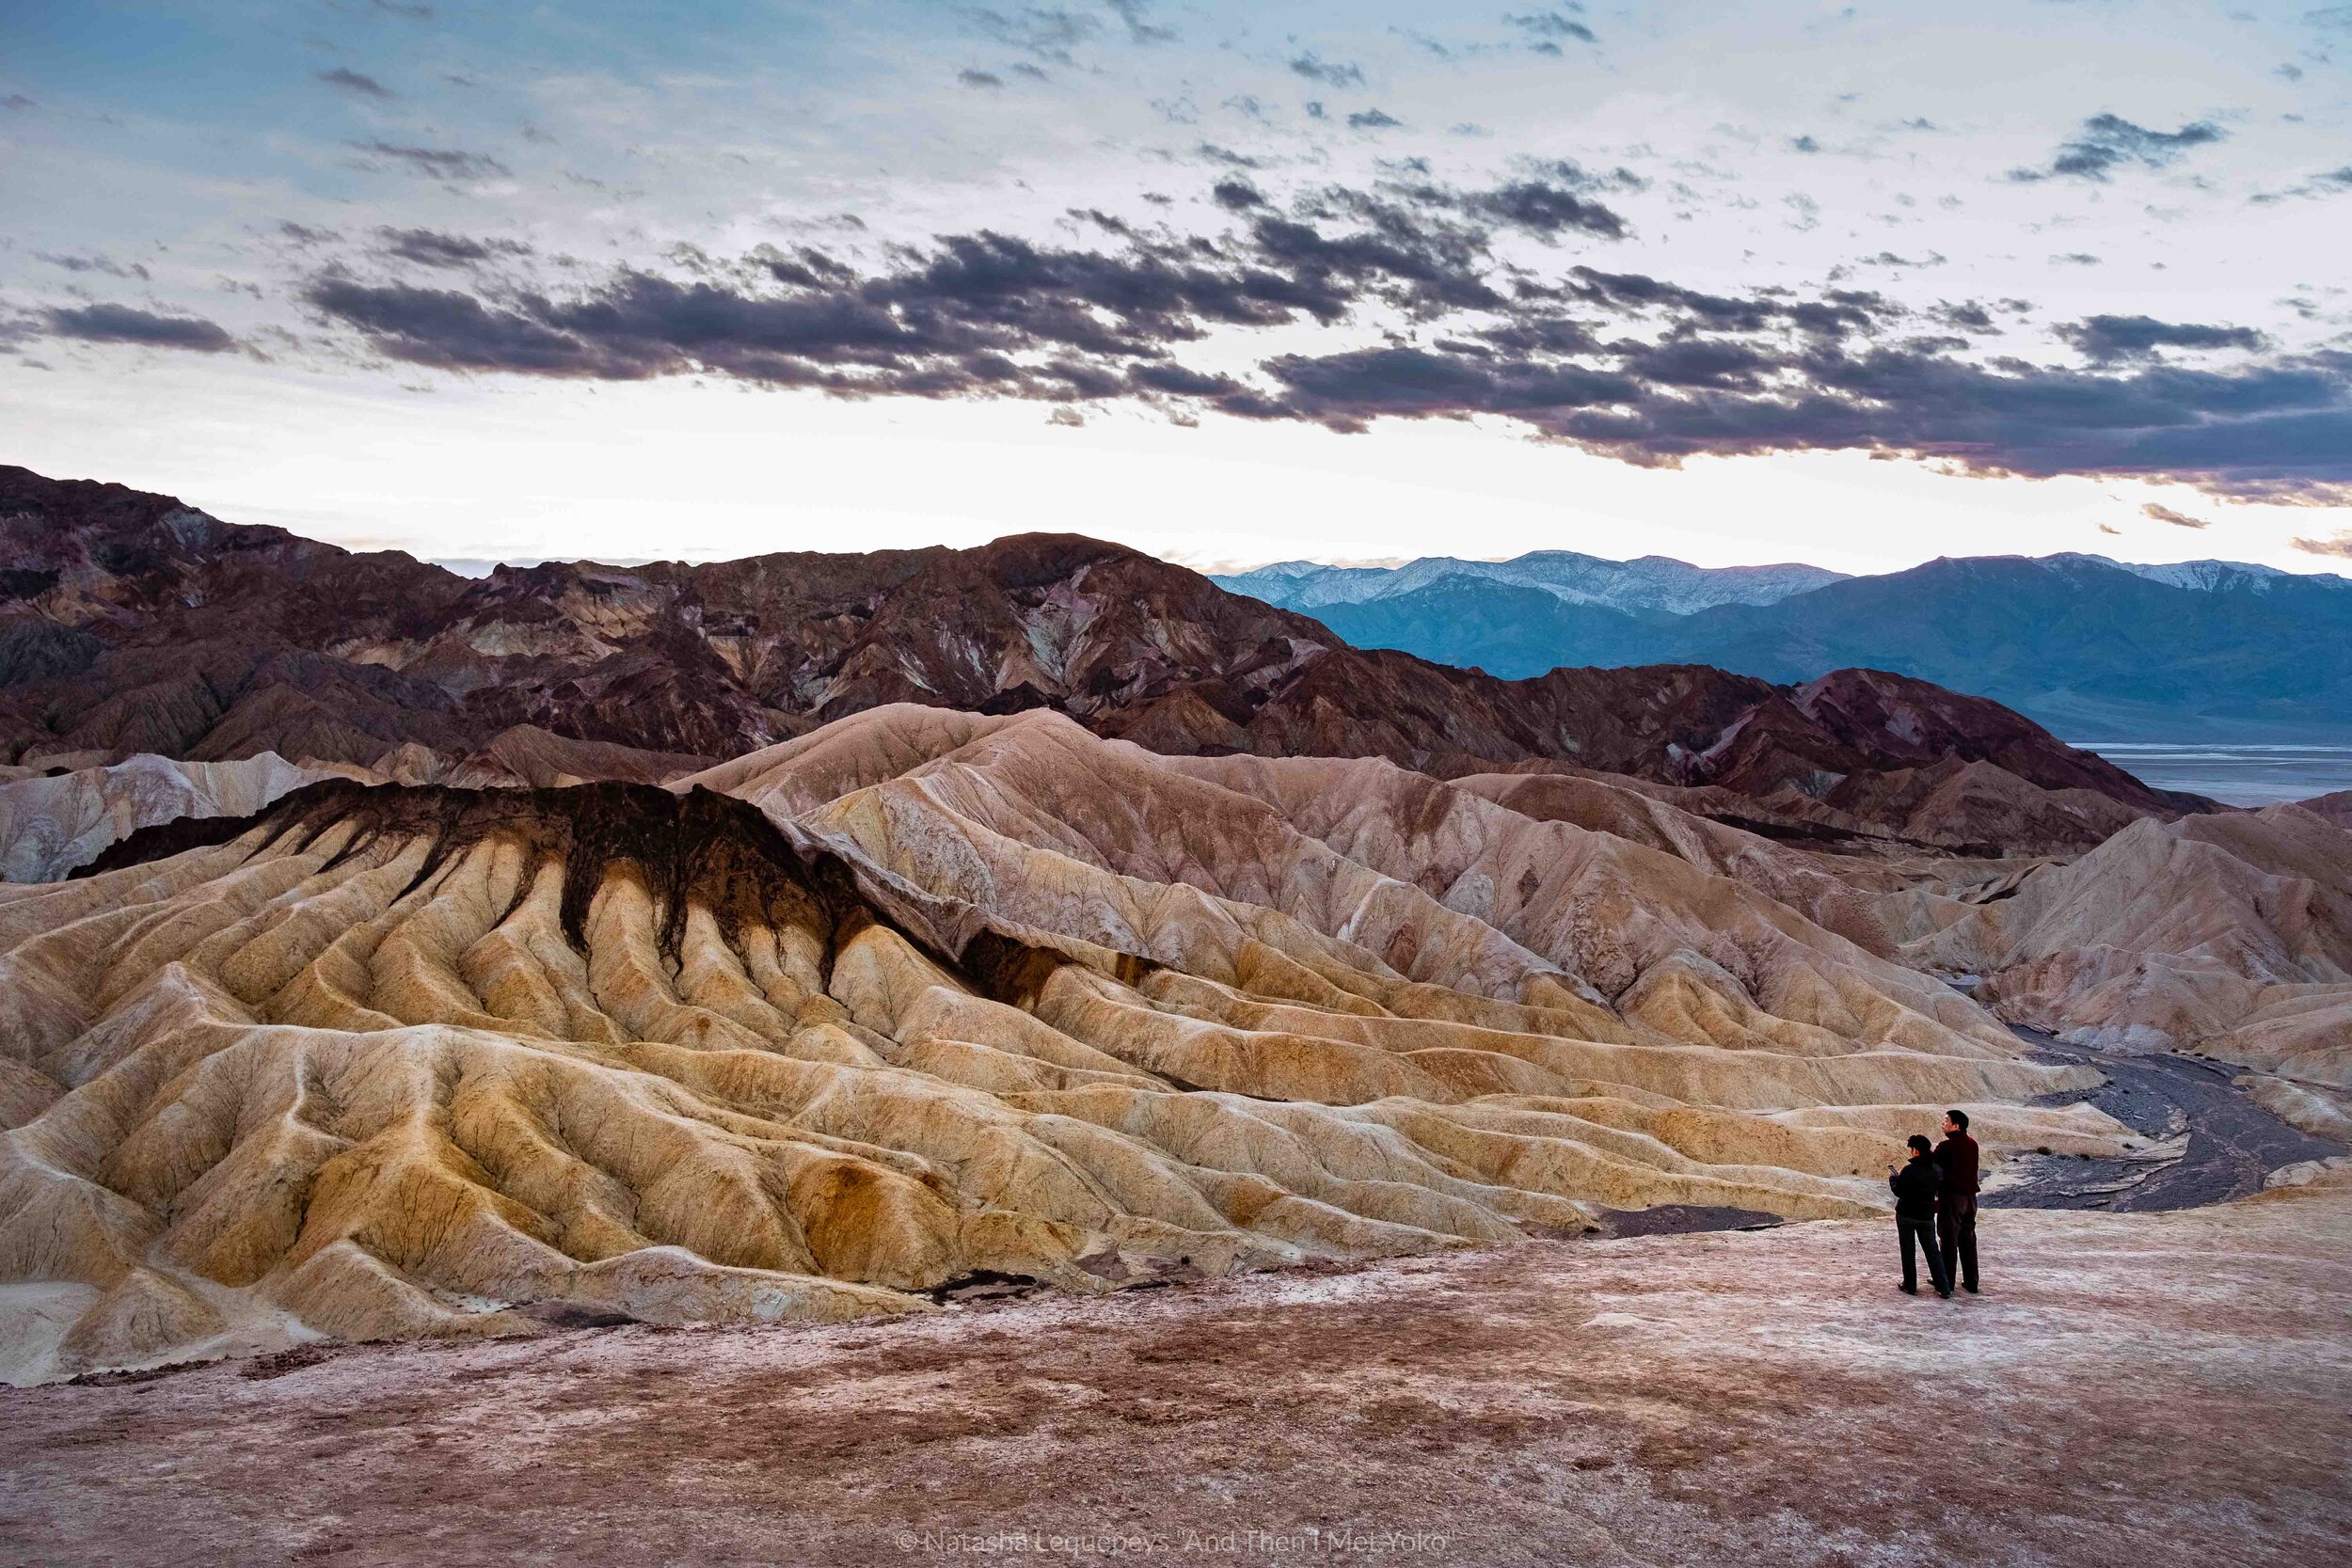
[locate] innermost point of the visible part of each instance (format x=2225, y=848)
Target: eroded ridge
x=409, y=1061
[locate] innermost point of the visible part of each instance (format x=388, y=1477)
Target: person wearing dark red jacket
x=1915, y=1188
x=1956, y=1204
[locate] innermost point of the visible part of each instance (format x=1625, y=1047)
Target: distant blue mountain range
x=2094, y=649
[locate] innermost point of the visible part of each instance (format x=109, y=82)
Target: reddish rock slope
x=131, y=623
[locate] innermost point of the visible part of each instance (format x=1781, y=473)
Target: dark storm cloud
x=444, y=327
x=1425, y=272
x=2109, y=142
x=105, y=265
x=1549, y=27
x=2105, y=338
x=1330, y=72
x=1227, y=156
x=2336, y=181
x=946, y=322
x=1967, y=316
x=1834, y=313
x=1347, y=390
x=126, y=324
x=952, y=319
x=439, y=162
x=1552, y=199
x=1575, y=176
x=1539, y=207
x=979, y=79
x=357, y=83
x=2272, y=430
x=430, y=247
x=2162, y=513
x=1631, y=365
x=1094, y=216
x=1373, y=120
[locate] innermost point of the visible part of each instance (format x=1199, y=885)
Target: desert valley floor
x=2131, y=1389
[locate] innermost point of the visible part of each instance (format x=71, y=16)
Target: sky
x=1860, y=285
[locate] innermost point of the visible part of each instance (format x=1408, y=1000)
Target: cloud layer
x=2108, y=144
x=1849, y=230
x=1633, y=366
x=127, y=324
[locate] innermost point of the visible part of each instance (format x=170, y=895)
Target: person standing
x=1915, y=1186
x=1956, y=1204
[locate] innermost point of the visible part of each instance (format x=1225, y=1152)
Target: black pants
x=1956, y=1225
x=1921, y=1232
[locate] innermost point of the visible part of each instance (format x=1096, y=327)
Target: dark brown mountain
x=132, y=622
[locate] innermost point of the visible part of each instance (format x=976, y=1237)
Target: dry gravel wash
x=2133, y=1389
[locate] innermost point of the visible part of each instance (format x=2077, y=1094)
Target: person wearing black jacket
x=1915, y=1186
x=1956, y=1204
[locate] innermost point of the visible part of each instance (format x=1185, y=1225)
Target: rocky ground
x=2130, y=1388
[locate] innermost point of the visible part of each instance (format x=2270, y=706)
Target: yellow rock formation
x=918, y=996
x=50, y=824
x=2230, y=934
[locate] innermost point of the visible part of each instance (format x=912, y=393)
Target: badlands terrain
x=927, y=998
x=428, y=992
x=919, y=998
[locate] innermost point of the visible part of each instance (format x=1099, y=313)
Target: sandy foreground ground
x=2131, y=1389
